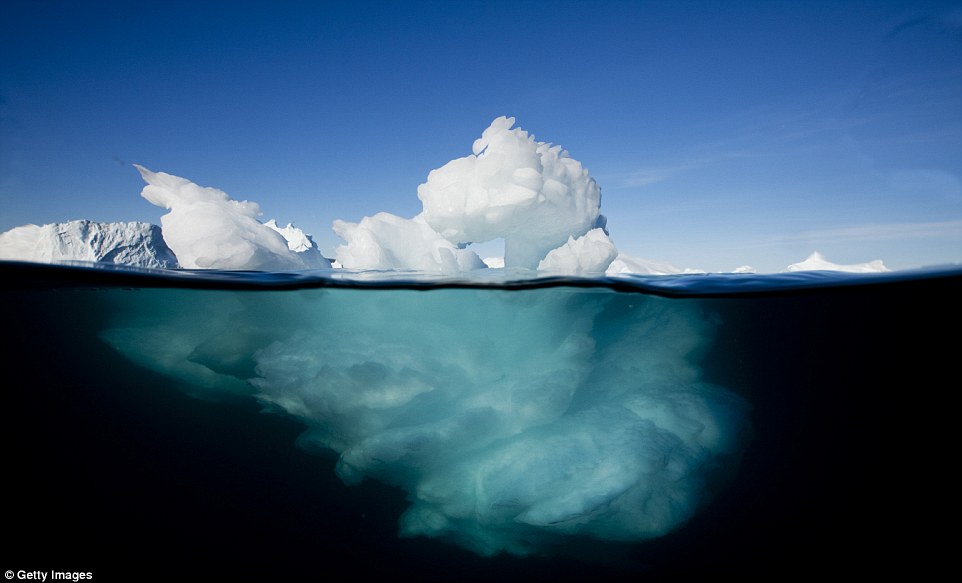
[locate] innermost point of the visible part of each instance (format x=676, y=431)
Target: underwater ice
x=513, y=420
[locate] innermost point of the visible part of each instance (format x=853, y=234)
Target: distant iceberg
x=817, y=262
x=626, y=264
x=136, y=244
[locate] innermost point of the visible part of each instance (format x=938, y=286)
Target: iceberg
x=591, y=253
x=387, y=241
x=135, y=244
x=625, y=264
x=206, y=229
x=516, y=412
x=301, y=243
x=603, y=428
x=513, y=421
x=817, y=262
x=531, y=194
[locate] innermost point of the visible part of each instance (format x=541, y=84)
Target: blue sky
x=721, y=133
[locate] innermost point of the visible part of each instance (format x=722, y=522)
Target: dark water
x=114, y=468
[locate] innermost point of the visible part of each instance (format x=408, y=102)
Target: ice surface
x=387, y=241
x=626, y=264
x=207, y=229
x=512, y=419
x=531, y=194
x=138, y=244
x=301, y=243
x=591, y=253
x=817, y=262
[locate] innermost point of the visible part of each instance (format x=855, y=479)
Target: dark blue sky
x=721, y=133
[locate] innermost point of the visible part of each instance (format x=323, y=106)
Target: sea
x=334, y=425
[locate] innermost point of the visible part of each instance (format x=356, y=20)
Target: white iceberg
x=625, y=264
x=817, y=262
x=136, y=244
x=531, y=194
x=387, y=241
x=591, y=253
x=207, y=229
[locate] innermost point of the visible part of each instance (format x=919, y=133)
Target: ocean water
x=329, y=425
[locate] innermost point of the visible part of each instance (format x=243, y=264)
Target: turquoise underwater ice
x=512, y=419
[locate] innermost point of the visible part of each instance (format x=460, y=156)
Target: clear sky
x=721, y=133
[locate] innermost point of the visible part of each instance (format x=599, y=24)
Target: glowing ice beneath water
x=512, y=419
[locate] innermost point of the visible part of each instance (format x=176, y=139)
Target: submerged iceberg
x=512, y=420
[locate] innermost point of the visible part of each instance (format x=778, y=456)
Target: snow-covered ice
x=532, y=195
x=207, y=229
x=817, y=262
x=137, y=244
